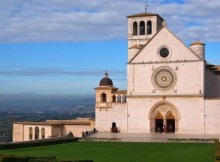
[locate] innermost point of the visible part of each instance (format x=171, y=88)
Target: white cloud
x=91, y=20
x=194, y=19
x=45, y=71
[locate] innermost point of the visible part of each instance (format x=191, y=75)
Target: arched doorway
x=170, y=122
x=158, y=122
x=30, y=133
x=114, y=128
x=164, y=113
x=42, y=133
x=37, y=133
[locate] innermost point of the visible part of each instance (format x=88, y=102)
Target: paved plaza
x=145, y=137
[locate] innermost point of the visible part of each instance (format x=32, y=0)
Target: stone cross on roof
x=146, y=6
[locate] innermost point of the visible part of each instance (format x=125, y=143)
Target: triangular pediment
x=178, y=51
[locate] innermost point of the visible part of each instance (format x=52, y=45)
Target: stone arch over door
x=166, y=109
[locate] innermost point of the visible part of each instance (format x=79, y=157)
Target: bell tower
x=141, y=28
x=104, y=92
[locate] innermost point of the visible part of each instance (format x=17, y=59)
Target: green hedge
x=11, y=158
x=78, y=161
x=36, y=143
x=42, y=160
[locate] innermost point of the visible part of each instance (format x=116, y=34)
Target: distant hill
x=35, y=100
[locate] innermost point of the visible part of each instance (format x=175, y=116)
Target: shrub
x=42, y=160
x=37, y=143
x=79, y=161
x=11, y=158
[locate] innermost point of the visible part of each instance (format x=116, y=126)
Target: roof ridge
x=144, y=14
x=146, y=44
x=173, y=35
x=184, y=44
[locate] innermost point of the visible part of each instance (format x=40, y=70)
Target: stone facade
x=27, y=131
x=170, y=87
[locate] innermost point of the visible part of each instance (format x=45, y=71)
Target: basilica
x=170, y=86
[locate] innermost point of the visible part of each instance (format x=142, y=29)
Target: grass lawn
x=123, y=152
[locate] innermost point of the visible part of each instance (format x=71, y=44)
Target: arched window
x=149, y=27
x=103, y=97
x=135, y=27
x=119, y=98
x=113, y=98
x=142, y=28
x=36, y=133
x=124, y=98
x=42, y=133
x=30, y=133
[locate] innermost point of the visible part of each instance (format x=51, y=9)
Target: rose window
x=164, y=78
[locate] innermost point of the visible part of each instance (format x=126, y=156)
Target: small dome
x=197, y=43
x=106, y=81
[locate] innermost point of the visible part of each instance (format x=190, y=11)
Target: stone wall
x=18, y=132
x=106, y=116
x=212, y=116
x=188, y=81
x=189, y=114
x=77, y=129
x=48, y=131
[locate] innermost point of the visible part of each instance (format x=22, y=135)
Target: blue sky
x=65, y=46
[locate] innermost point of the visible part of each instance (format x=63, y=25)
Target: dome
x=106, y=81
x=197, y=43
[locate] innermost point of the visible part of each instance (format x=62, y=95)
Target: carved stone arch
x=164, y=108
x=158, y=115
x=169, y=115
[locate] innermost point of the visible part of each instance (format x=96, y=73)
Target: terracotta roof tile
x=144, y=14
x=78, y=121
x=121, y=92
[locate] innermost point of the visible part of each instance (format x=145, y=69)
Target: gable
x=178, y=51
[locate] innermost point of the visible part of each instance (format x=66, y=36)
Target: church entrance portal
x=164, y=116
